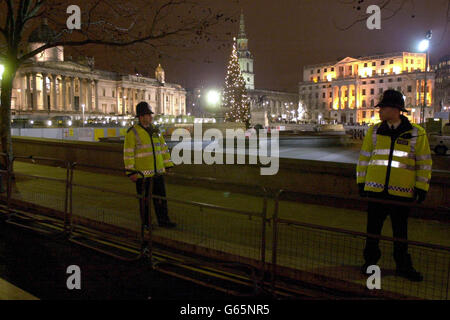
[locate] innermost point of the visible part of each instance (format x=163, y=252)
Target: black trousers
x=158, y=188
x=376, y=215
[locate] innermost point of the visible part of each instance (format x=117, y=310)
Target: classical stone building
x=346, y=91
x=442, y=70
x=50, y=85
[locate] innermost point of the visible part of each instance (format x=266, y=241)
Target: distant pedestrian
x=146, y=151
x=394, y=164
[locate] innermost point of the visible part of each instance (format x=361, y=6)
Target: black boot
x=406, y=270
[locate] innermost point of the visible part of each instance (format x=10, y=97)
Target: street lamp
x=213, y=97
x=424, y=46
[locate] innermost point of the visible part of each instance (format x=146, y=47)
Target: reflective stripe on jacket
x=396, y=163
x=145, y=154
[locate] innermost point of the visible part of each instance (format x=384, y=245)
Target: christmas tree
x=235, y=100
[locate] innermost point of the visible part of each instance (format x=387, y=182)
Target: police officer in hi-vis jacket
x=146, y=151
x=394, y=164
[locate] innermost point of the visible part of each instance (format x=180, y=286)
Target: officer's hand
x=361, y=191
x=134, y=177
x=420, y=195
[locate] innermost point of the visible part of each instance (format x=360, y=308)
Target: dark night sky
x=285, y=35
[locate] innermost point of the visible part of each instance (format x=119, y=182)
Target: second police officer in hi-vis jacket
x=394, y=164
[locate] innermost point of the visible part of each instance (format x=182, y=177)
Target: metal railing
x=279, y=251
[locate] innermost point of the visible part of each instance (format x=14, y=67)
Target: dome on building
x=159, y=74
x=42, y=34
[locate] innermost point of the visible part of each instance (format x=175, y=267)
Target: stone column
x=97, y=107
x=54, y=96
x=340, y=98
x=63, y=93
x=81, y=96
x=72, y=94
x=349, y=93
x=44, y=92
x=28, y=92
x=89, y=95
x=124, y=102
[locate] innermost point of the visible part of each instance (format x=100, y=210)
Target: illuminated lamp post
x=424, y=46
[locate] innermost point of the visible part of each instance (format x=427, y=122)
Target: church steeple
x=245, y=57
x=242, y=34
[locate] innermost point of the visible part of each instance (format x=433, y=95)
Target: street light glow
x=424, y=45
x=2, y=69
x=213, y=97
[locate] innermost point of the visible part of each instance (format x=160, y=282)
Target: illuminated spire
x=242, y=34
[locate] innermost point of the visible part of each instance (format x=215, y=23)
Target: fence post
x=275, y=239
x=70, y=197
x=263, y=238
x=66, y=198
x=9, y=166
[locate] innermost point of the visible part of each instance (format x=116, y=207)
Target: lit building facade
x=49, y=85
x=347, y=91
x=442, y=70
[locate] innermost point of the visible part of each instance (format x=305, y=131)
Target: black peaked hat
x=394, y=99
x=143, y=108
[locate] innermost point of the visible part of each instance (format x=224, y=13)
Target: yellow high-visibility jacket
x=395, y=163
x=146, y=154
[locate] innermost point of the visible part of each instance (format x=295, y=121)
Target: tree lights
x=235, y=99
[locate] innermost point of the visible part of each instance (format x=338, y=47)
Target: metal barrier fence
x=275, y=247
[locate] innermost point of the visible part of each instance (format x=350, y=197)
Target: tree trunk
x=5, y=119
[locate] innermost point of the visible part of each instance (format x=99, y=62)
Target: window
x=364, y=103
x=381, y=81
x=382, y=71
x=104, y=92
x=372, y=103
x=372, y=81
x=365, y=65
x=318, y=78
x=390, y=80
x=363, y=92
x=412, y=61
x=325, y=70
x=391, y=62
x=406, y=60
x=372, y=91
x=318, y=70
x=332, y=69
x=363, y=113
x=374, y=64
x=409, y=88
x=323, y=95
x=399, y=79
x=114, y=93
x=380, y=91
x=331, y=105
x=382, y=63
x=331, y=94
x=364, y=82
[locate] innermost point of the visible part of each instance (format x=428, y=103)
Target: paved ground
x=326, y=253
x=38, y=265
